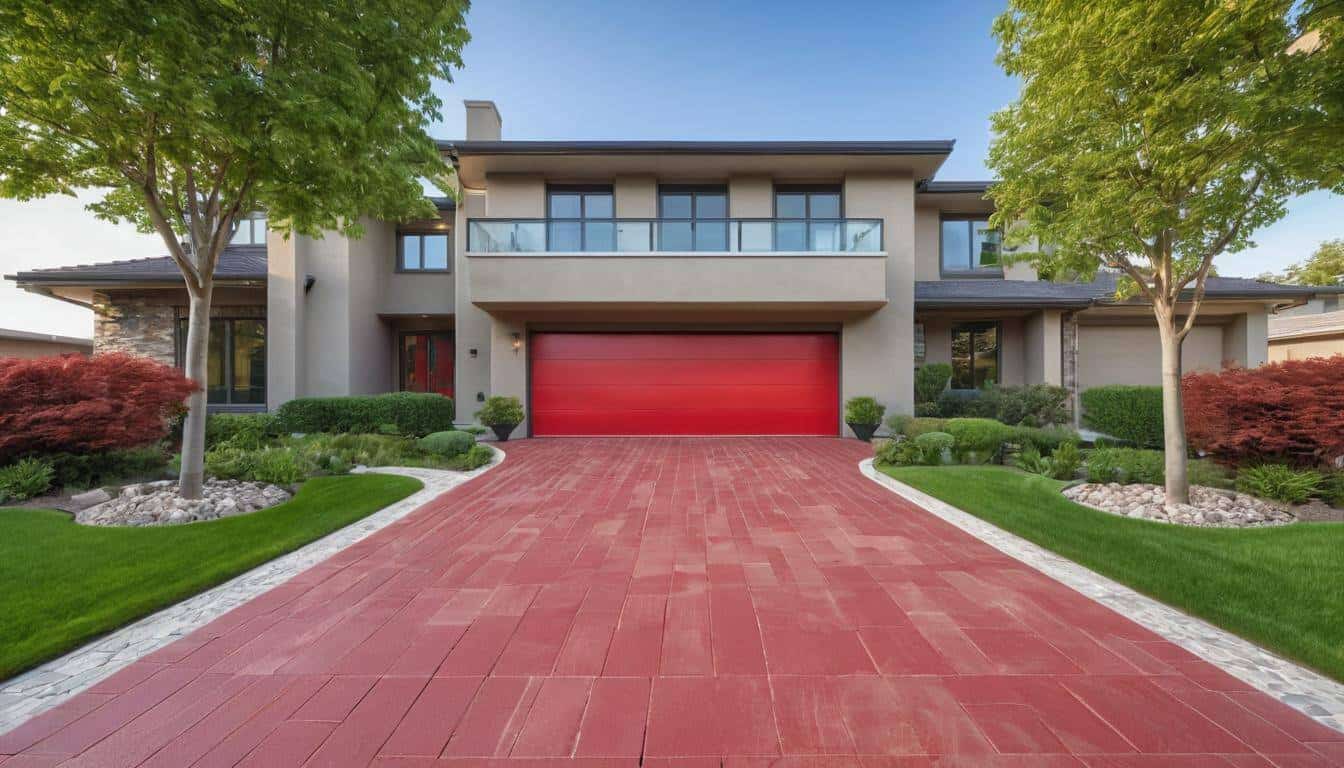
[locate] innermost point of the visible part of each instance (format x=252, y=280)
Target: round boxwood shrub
x=500, y=411
x=978, y=440
x=450, y=442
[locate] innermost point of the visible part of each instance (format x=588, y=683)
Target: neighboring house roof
x=9, y=334
x=1023, y=293
x=1304, y=326
x=934, y=147
x=236, y=262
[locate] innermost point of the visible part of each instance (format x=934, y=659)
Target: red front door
x=427, y=362
x=685, y=384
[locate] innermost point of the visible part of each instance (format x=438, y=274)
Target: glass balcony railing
x=674, y=235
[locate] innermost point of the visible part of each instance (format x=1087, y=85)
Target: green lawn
x=1282, y=588
x=65, y=584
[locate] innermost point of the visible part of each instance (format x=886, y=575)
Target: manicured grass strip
x=1282, y=588
x=65, y=584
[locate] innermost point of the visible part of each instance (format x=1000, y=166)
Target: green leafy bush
x=930, y=381
x=863, y=410
x=1065, y=461
x=499, y=410
x=282, y=466
x=1044, y=439
x=410, y=413
x=978, y=441
x=1131, y=413
x=933, y=447
x=89, y=470
x=926, y=409
x=970, y=404
x=1279, y=482
x=1332, y=489
x=1037, y=405
x=449, y=443
x=476, y=457
x=898, y=422
x=921, y=425
x=25, y=479
x=900, y=453
x=1031, y=460
x=475, y=429
x=228, y=462
x=1125, y=465
x=244, y=430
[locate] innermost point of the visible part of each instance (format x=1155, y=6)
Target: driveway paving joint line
x=51, y=684
x=1308, y=692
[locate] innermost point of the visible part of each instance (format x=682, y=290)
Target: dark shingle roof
x=237, y=262
x=996, y=292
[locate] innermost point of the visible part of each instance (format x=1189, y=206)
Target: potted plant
x=501, y=414
x=864, y=415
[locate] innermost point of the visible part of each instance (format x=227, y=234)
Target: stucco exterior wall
x=877, y=349
x=1301, y=349
x=1132, y=354
x=29, y=349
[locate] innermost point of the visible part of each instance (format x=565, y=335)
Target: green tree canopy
x=192, y=114
x=1150, y=136
x=1324, y=267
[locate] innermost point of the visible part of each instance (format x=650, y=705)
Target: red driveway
x=660, y=598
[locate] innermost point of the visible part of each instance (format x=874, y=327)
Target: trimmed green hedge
x=1131, y=413
x=412, y=413
x=453, y=442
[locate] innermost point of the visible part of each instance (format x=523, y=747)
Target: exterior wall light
x=517, y=342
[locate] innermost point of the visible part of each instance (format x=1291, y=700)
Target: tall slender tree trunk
x=193, y=430
x=1173, y=414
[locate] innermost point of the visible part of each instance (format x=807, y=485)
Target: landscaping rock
x=157, y=503
x=1209, y=507
x=89, y=498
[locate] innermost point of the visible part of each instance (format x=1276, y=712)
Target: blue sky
x=685, y=70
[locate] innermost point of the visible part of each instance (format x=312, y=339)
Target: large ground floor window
x=427, y=362
x=975, y=355
x=235, y=360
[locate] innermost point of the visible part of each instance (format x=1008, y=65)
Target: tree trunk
x=1173, y=416
x=193, y=430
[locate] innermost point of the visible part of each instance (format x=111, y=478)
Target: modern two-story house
x=658, y=287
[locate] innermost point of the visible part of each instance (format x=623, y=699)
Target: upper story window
x=580, y=219
x=809, y=219
x=251, y=230
x=423, y=251
x=693, y=218
x=969, y=244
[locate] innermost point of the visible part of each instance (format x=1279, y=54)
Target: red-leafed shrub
x=1285, y=412
x=79, y=404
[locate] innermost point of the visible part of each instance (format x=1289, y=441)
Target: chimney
x=483, y=123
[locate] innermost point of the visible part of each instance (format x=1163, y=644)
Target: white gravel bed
x=1208, y=507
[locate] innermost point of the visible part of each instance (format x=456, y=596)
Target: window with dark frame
x=251, y=230
x=424, y=252
x=693, y=218
x=809, y=218
x=235, y=369
x=969, y=244
x=580, y=218
x=975, y=355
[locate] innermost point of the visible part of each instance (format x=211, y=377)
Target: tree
x=1149, y=137
x=1324, y=267
x=194, y=114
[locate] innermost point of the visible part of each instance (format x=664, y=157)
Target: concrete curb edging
x=46, y=686
x=1310, y=693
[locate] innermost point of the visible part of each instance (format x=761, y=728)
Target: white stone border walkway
x=1312, y=694
x=44, y=687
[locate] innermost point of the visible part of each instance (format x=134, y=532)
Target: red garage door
x=685, y=384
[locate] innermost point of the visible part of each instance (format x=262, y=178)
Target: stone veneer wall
x=1068, y=347
x=145, y=323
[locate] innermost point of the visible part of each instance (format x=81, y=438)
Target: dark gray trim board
x=932, y=147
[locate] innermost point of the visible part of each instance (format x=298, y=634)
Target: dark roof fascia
x=37, y=278
x=932, y=147
x=443, y=203
x=954, y=187
x=1003, y=303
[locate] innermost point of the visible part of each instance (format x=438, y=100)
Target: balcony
x=810, y=236
x=737, y=264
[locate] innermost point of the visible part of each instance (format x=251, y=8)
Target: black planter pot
x=863, y=431
x=502, y=431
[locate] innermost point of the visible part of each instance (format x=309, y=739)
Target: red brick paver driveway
x=732, y=601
